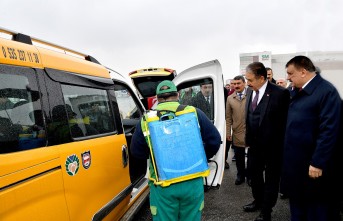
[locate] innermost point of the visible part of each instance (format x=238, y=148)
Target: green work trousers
x=179, y=201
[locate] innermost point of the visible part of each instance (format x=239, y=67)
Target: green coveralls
x=179, y=201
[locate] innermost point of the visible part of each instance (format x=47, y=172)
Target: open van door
x=199, y=80
x=190, y=82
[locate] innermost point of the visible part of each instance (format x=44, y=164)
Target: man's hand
x=314, y=172
x=229, y=137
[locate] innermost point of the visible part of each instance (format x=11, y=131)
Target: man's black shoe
x=283, y=196
x=249, y=181
x=263, y=217
x=252, y=207
x=239, y=181
x=227, y=166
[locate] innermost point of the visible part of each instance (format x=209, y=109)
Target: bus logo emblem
x=86, y=159
x=72, y=165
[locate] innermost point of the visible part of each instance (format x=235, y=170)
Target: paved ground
x=226, y=202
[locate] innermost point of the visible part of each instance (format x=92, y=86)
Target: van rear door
x=192, y=79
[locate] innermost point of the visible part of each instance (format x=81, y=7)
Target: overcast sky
x=132, y=34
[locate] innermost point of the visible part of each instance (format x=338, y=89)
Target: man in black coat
x=228, y=90
x=204, y=99
x=266, y=115
x=270, y=75
x=312, y=157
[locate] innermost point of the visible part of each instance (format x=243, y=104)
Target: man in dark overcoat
x=310, y=175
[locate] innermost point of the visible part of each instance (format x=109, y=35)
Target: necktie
x=240, y=96
x=208, y=99
x=254, y=102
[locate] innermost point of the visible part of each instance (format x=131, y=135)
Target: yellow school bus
x=65, y=135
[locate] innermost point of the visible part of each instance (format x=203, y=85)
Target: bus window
x=89, y=109
x=126, y=104
x=21, y=118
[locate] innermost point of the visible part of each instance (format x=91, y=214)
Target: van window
x=21, y=118
x=200, y=95
x=127, y=106
x=88, y=111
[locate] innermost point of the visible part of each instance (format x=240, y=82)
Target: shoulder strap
x=181, y=107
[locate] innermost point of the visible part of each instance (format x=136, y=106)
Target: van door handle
x=125, y=155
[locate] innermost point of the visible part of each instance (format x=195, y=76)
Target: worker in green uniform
x=182, y=200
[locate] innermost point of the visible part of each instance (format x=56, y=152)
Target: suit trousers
x=240, y=161
x=227, y=149
x=265, y=178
